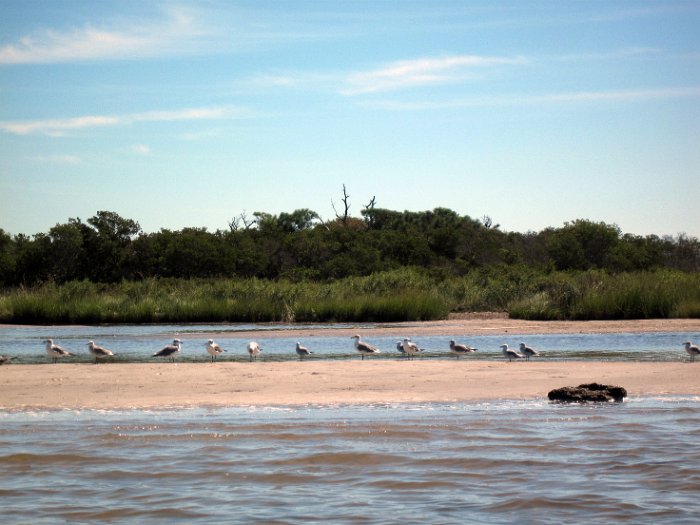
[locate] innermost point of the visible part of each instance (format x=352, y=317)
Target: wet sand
x=162, y=385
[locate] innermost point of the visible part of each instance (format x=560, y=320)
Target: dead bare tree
x=235, y=223
x=488, y=223
x=346, y=204
x=368, y=209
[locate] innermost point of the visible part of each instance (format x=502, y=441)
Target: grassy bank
x=401, y=295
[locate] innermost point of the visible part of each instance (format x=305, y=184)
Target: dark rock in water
x=591, y=392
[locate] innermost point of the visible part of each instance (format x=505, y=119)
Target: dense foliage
x=385, y=266
x=298, y=246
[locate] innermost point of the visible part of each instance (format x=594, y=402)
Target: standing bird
x=459, y=349
x=253, y=350
x=364, y=348
x=528, y=352
x=55, y=351
x=410, y=347
x=170, y=350
x=98, y=351
x=692, y=350
x=399, y=347
x=510, y=354
x=302, y=351
x=213, y=349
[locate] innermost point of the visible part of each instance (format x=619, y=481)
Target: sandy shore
x=160, y=385
x=491, y=324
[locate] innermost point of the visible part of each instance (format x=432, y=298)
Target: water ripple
x=525, y=462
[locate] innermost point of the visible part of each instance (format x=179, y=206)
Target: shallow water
x=514, y=462
x=137, y=343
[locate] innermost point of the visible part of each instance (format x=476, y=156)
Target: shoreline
x=465, y=324
x=190, y=385
x=353, y=381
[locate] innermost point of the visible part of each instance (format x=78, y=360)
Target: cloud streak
x=554, y=98
x=59, y=127
x=393, y=76
x=420, y=72
x=58, y=159
x=175, y=32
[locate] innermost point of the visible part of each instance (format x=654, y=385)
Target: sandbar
x=353, y=381
x=168, y=385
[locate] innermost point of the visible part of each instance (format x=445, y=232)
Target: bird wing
x=166, y=351
x=366, y=347
x=60, y=350
x=102, y=350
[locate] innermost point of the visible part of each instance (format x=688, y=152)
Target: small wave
x=342, y=458
x=29, y=459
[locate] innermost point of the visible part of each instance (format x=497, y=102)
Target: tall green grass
x=405, y=294
x=395, y=296
x=598, y=295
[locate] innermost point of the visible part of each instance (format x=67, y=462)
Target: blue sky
x=186, y=114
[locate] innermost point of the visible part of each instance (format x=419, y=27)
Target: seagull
x=510, y=354
x=692, y=350
x=169, y=351
x=459, y=349
x=302, y=351
x=5, y=360
x=528, y=352
x=98, y=351
x=399, y=347
x=253, y=349
x=55, y=351
x=213, y=349
x=364, y=348
x=410, y=347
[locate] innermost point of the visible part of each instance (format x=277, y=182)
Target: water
x=135, y=343
x=503, y=462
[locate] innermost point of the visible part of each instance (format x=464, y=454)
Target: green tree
x=8, y=259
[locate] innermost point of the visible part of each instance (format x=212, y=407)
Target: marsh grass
x=598, y=295
x=401, y=295
x=397, y=296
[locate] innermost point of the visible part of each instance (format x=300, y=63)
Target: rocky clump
x=592, y=392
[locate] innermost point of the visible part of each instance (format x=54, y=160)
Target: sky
x=188, y=114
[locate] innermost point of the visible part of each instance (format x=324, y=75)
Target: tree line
x=299, y=245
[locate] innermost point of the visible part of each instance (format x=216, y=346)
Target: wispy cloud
x=421, y=71
x=125, y=39
x=560, y=98
x=141, y=149
x=57, y=159
x=59, y=127
x=394, y=76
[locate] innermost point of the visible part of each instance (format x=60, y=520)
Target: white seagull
x=692, y=350
x=55, y=351
x=364, y=348
x=169, y=351
x=98, y=351
x=528, y=352
x=459, y=349
x=302, y=351
x=510, y=354
x=253, y=350
x=410, y=347
x=213, y=349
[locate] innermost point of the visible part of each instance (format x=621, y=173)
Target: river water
x=500, y=462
